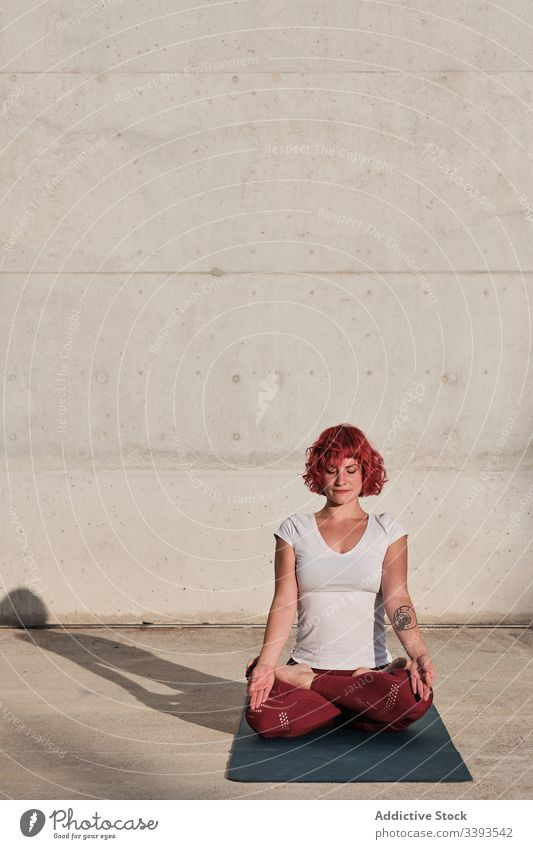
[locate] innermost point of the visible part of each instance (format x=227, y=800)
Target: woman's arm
x=401, y=612
x=284, y=605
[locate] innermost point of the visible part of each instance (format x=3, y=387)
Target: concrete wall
x=226, y=229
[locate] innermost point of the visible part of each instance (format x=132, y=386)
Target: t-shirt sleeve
x=286, y=531
x=394, y=529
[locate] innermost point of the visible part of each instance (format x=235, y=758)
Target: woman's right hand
x=260, y=683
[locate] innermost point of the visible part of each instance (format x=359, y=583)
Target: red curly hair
x=332, y=446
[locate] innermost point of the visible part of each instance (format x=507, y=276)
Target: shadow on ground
x=205, y=700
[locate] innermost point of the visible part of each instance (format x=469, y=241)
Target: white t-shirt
x=341, y=618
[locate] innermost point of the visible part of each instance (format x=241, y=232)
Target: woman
x=340, y=569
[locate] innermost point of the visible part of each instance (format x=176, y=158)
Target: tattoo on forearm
x=404, y=618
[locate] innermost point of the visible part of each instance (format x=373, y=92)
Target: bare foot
x=397, y=663
x=297, y=674
x=361, y=670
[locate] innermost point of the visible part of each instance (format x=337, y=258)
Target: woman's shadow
x=206, y=700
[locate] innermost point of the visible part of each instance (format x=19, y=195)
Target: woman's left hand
x=422, y=675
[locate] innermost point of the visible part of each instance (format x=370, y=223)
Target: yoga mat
x=423, y=752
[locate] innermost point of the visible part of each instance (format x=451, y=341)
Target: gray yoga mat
x=423, y=752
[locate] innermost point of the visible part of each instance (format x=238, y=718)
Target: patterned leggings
x=372, y=701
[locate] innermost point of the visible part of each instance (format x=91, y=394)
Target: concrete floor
x=150, y=713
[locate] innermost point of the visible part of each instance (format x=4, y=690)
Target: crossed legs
x=303, y=700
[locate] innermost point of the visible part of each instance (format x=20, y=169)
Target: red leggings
x=372, y=701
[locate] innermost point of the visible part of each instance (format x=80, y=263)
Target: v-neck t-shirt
x=341, y=617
